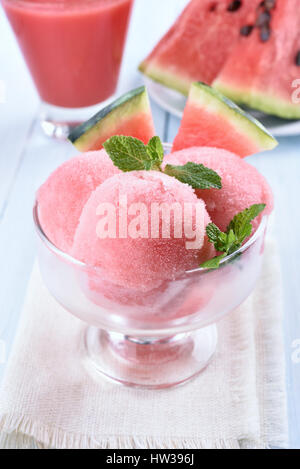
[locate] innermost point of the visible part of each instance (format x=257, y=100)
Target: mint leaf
x=232, y=243
x=241, y=223
x=131, y=154
x=216, y=237
x=128, y=153
x=239, y=229
x=213, y=263
x=156, y=151
x=196, y=175
x=213, y=232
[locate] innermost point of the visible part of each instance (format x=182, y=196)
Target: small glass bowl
x=157, y=339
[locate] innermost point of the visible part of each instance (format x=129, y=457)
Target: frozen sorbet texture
x=62, y=197
x=143, y=262
x=242, y=184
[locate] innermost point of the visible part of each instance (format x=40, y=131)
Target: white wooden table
x=27, y=157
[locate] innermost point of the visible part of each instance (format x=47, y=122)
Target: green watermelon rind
x=269, y=104
x=212, y=99
x=85, y=135
x=169, y=80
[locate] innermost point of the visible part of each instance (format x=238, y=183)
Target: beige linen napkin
x=239, y=401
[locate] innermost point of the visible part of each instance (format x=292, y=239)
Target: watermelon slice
x=199, y=43
x=212, y=120
x=130, y=115
x=263, y=68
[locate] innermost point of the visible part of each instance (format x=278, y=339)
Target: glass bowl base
x=149, y=363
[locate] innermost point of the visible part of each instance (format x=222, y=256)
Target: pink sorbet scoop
x=62, y=197
x=242, y=184
x=141, y=258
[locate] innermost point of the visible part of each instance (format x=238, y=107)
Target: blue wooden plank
x=174, y=123
x=166, y=128
x=18, y=107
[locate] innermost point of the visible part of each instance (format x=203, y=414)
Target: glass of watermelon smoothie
x=74, y=50
x=155, y=339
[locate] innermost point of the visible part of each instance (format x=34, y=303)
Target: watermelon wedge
x=130, y=115
x=264, y=67
x=199, y=43
x=212, y=120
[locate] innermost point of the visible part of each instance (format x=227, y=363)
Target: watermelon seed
x=269, y=4
x=213, y=7
x=298, y=59
x=234, y=6
x=263, y=19
x=260, y=6
x=246, y=30
x=265, y=33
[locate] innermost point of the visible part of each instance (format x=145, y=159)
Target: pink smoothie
x=73, y=48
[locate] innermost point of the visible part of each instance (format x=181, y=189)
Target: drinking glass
x=74, y=50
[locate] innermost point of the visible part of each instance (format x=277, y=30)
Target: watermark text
x=155, y=221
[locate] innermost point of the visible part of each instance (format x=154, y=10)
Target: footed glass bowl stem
x=153, y=363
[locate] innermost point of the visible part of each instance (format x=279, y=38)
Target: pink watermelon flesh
x=139, y=126
x=261, y=73
x=211, y=120
x=199, y=43
x=214, y=131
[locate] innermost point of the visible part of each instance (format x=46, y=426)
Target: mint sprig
x=196, y=175
x=241, y=224
x=237, y=231
x=128, y=153
x=131, y=154
x=213, y=263
x=155, y=150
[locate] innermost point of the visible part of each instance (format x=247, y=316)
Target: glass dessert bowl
x=156, y=339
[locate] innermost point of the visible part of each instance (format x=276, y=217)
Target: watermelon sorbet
x=62, y=197
x=242, y=184
x=91, y=210
x=145, y=257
